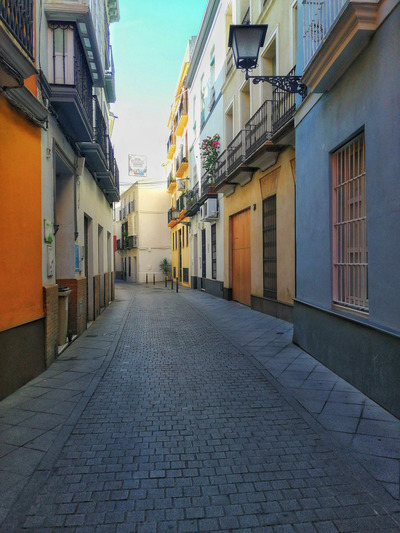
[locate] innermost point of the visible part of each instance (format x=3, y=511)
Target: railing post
x=177, y=284
x=147, y=279
x=154, y=279
x=172, y=283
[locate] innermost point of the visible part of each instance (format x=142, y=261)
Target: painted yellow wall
x=279, y=180
x=20, y=219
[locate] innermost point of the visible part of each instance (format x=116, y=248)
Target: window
x=214, y=251
x=186, y=275
x=350, y=255
x=269, y=247
x=268, y=68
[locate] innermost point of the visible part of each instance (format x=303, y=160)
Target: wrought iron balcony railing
x=220, y=168
x=259, y=127
x=318, y=17
x=236, y=152
x=18, y=16
x=100, y=127
x=284, y=106
x=181, y=203
x=196, y=192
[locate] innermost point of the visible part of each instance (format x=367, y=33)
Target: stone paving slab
x=345, y=412
x=184, y=429
x=32, y=419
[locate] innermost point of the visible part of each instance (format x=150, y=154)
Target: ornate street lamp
x=246, y=41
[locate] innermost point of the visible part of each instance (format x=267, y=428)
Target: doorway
x=241, y=257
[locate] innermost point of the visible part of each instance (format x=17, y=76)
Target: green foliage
x=209, y=150
x=165, y=266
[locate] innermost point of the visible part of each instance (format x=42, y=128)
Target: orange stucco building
x=21, y=302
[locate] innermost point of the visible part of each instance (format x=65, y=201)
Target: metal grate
x=214, y=251
x=269, y=247
x=350, y=254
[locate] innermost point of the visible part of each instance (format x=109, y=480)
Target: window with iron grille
x=350, y=254
x=185, y=275
x=214, y=251
x=269, y=247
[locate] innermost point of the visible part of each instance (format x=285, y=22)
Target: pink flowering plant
x=209, y=150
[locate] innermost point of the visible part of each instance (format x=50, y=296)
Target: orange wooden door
x=241, y=258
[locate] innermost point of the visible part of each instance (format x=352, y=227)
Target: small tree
x=165, y=267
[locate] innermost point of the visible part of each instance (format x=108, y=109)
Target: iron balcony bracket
x=290, y=84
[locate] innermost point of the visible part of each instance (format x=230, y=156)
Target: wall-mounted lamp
x=246, y=40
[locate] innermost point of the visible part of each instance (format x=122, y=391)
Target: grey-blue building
x=347, y=308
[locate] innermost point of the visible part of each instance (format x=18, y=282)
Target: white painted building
x=80, y=179
x=204, y=81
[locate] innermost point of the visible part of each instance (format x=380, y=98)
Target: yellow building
x=177, y=167
x=256, y=172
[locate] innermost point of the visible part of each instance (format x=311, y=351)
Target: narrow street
x=183, y=412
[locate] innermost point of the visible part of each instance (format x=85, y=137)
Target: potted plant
x=165, y=267
x=209, y=150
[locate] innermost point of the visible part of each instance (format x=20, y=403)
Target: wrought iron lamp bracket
x=290, y=84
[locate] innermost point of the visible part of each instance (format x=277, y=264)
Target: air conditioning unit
x=180, y=184
x=209, y=210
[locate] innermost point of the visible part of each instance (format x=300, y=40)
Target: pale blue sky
x=149, y=44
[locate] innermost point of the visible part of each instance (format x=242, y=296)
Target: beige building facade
x=142, y=235
x=256, y=171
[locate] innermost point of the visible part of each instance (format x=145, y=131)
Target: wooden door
x=241, y=257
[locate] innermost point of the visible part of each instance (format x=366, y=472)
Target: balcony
x=71, y=85
x=258, y=145
x=99, y=156
x=109, y=79
x=182, y=116
x=16, y=42
x=171, y=146
x=237, y=170
x=193, y=204
x=171, y=183
x=173, y=215
x=109, y=181
x=181, y=163
x=261, y=151
x=83, y=15
x=181, y=205
x=334, y=33
x=221, y=185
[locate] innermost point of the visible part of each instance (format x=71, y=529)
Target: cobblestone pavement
x=185, y=433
